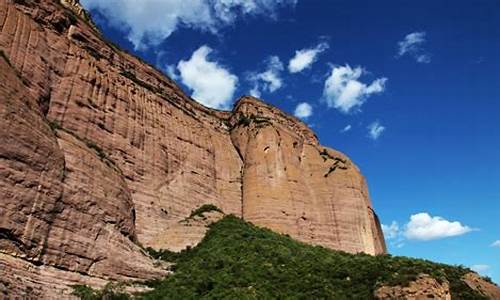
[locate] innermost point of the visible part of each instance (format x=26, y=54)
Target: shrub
x=54, y=125
x=203, y=209
x=109, y=292
x=163, y=254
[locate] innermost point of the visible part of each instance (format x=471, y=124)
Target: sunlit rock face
x=293, y=185
x=101, y=154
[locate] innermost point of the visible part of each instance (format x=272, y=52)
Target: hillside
x=237, y=260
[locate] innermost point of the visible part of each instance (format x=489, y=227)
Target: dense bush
x=163, y=254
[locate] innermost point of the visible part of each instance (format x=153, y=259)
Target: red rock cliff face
x=100, y=152
x=293, y=185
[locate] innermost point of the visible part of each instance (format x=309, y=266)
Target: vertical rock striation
x=293, y=185
x=101, y=153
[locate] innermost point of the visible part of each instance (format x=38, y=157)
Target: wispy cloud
x=303, y=110
x=480, y=268
x=496, y=244
x=268, y=80
x=212, y=84
x=375, y=130
x=344, y=91
x=149, y=22
x=346, y=128
x=412, y=45
x=391, y=231
x=171, y=71
x=304, y=58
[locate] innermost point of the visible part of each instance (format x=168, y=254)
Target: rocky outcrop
x=187, y=233
x=102, y=153
x=427, y=287
x=424, y=287
x=485, y=288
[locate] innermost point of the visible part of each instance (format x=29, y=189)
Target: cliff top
x=246, y=105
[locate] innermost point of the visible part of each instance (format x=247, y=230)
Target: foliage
x=54, y=125
x=239, y=260
x=245, y=121
x=163, y=254
x=109, y=292
x=199, y=212
x=102, y=155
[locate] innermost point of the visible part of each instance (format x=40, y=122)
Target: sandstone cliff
x=101, y=153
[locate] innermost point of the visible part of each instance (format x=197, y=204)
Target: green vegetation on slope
x=109, y=292
x=237, y=260
x=199, y=212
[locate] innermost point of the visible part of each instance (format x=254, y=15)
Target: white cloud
x=496, y=244
x=425, y=227
x=422, y=227
x=391, y=231
x=303, y=110
x=172, y=72
x=304, y=58
x=412, y=45
x=345, y=92
x=269, y=80
x=375, y=130
x=212, y=84
x=346, y=129
x=149, y=22
x=480, y=268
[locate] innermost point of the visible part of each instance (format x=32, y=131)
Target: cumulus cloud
x=424, y=227
x=149, y=22
x=496, y=244
x=344, y=91
x=303, y=110
x=412, y=45
x=346, y=129
x=268, y=80
x=375, y=130
x=212, y=84
x=391, y=231
x=480, y=268
x=304, y=58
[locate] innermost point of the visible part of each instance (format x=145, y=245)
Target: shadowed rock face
x=129, y=156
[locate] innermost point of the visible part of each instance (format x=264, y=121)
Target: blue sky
x=410, y=90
